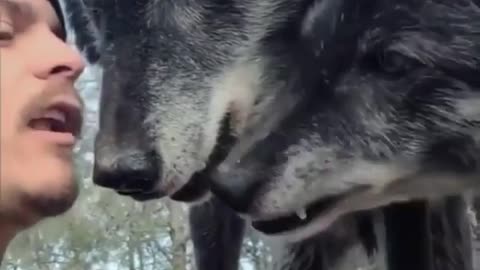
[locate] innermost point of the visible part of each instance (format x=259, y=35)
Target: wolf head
x=394, y=117
x=180, y=76
x=318, y=108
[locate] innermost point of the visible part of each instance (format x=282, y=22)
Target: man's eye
x=6, y=32
x=6, y=35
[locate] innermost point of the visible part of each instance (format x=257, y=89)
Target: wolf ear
x=321, y=18
x=330, y=29
x=81, y=21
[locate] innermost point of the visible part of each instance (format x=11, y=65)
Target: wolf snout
x=129, y=172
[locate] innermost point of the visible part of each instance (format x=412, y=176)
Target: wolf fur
x=328, y=107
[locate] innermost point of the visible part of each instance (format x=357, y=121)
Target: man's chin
x=40, y=206
x=52, y=206
x=58, y=193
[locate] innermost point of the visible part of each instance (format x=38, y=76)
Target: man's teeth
x=302, y=214
x=55, y=115
x=41, y=124
x=51, y=120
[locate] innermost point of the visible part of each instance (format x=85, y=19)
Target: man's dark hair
x=58, y=9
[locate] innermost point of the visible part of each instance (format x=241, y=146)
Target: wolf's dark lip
x=293, y=221
x=196, y=188
x=141, y=196
x=146, y=196
x=313, y=210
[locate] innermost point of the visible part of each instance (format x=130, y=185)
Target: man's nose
x=127, y=170
x=58, y=58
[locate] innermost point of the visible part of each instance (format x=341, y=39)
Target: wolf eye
x=395, y=63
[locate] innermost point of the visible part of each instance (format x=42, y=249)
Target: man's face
x=40, y=112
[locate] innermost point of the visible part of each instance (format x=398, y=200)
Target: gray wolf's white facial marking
x=299, y=110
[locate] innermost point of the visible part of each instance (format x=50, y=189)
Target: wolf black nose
x=128, y=172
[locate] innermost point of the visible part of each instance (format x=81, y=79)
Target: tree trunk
x=178, y=235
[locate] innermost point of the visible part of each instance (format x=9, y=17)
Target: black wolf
x=294, y=113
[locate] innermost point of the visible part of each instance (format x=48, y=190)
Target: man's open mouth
x=60, y=117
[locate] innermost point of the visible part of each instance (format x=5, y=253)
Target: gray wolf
x=293, y=113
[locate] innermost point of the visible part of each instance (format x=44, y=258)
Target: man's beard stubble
x=32, y=208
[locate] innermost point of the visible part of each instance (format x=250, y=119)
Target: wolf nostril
x=132, y=172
